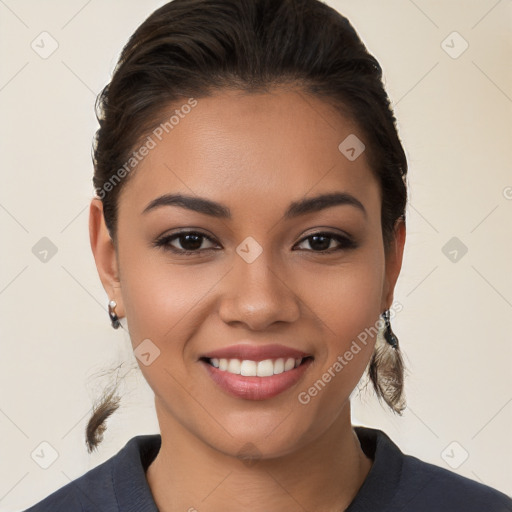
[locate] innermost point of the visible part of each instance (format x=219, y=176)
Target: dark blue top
x=395, y=483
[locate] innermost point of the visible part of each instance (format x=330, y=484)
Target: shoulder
x=399, y=481
x=430, y=487
x=91, y=491
x=99, y=488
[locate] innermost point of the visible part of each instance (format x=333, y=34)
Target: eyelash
x=164, y=242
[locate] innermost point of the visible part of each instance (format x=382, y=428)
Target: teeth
x=265, y=368
x=289, y=364
x=278, y=366
x=234, y=366
x=250, y=368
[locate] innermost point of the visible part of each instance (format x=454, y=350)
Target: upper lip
x=253, y=352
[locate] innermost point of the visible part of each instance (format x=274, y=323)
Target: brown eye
x=189, y=242
x=321, y=242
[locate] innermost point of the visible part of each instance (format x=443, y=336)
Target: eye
x=190, y=242
x=321, y=242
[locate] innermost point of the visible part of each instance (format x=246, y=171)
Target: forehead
x=246, y=149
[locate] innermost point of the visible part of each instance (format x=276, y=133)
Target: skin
x=255, y=153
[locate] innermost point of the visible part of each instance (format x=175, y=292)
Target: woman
x=248, y=228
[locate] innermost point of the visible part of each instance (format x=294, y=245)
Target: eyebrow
x=296, y=208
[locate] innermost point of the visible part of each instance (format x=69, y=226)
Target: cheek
x=161, y=298
x=347, y=297
x=348, y=343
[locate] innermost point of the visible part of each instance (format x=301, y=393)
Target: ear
x=105, y=255
x=394, y=257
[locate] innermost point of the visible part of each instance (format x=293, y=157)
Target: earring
x=386, y=369
x=111, y=312
x=389, y=335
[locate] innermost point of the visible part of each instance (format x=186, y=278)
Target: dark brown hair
x=192, y=48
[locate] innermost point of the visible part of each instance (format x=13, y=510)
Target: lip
x=256, y=388
x=254, y=352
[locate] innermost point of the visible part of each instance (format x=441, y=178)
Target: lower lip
x=256, y=388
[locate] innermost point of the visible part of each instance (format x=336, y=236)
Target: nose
x=258, y=295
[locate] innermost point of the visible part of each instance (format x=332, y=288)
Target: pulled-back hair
x=193, y=48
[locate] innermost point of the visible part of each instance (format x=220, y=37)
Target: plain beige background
x=454, y=111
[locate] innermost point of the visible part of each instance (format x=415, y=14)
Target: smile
x=255, y=372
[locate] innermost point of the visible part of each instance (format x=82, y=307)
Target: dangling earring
x=386, y=368
x=111, y=312
x=389, y=335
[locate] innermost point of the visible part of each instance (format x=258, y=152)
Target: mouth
x=251, y=372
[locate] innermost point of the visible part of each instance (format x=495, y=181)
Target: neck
x=323, y=476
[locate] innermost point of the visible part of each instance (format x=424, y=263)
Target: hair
x=193, y=48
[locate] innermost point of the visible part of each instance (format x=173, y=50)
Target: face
x=259, y=273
